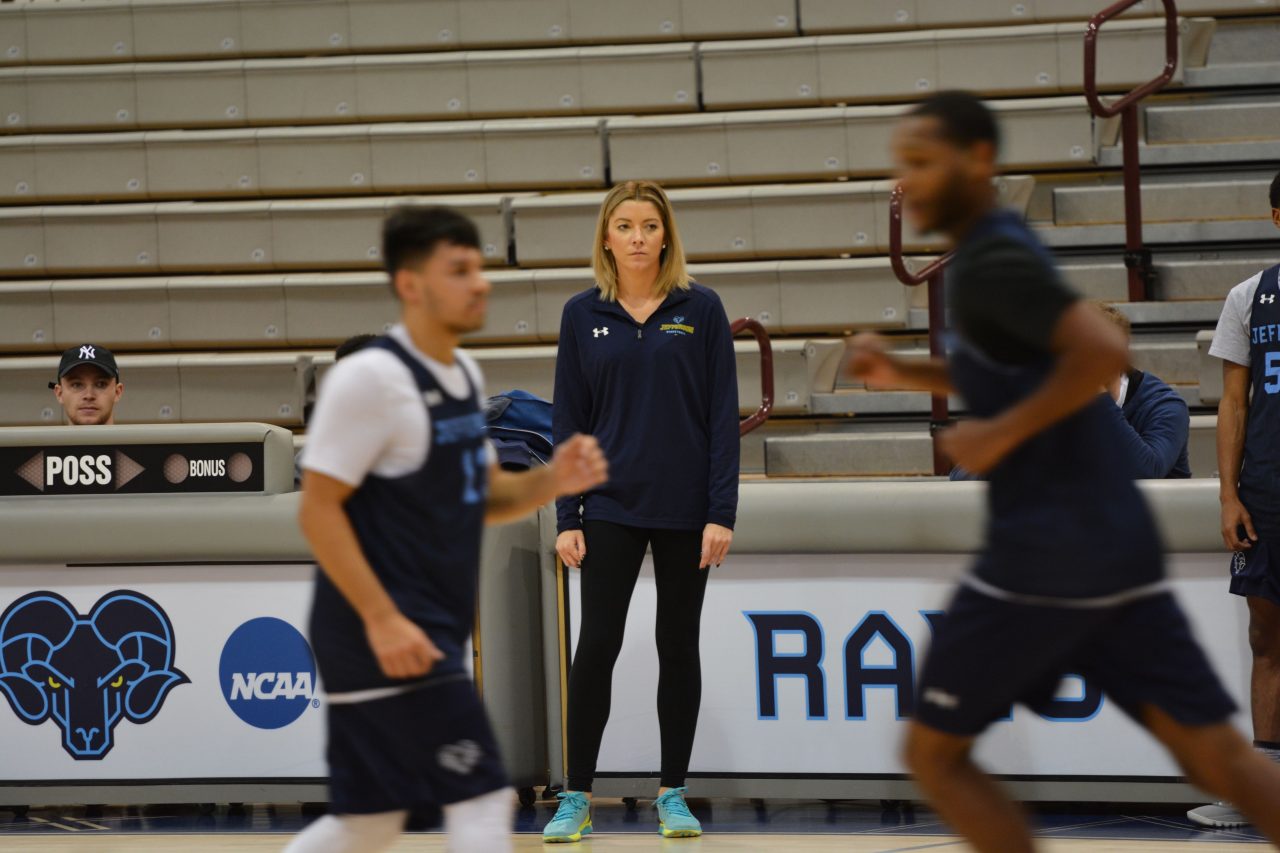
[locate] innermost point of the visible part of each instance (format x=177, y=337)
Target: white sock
x=481, y=824
x=360, y=833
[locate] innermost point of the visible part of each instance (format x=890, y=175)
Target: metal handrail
x=896, y=260
x=1100, y=109
x=761, y=414
x=939, y=415
x=1137, y=258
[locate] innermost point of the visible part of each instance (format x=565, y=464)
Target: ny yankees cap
x=99, y=357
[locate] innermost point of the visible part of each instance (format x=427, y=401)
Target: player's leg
x=1220, y=761
x=987, y=653
x=968, y=799
x=1264, y=642
x=361, y=833
x=1256, y=576
x=481, y=824
x=1147, y=660
x=682, y=587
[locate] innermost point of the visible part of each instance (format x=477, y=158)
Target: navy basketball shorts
x=1256, y=572
x=990, y=653
x=417, y=751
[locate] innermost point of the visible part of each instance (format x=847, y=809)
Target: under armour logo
x=603, y=330
x=1239, y=562
x=432, y=398
x=87, y=352
x=461, y=757
x=1267, y=298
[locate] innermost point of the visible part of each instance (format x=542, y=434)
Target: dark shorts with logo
x=989, y=653
x=1256, y=572
x=416, y=751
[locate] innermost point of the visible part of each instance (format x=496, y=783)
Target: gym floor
x=730, y=825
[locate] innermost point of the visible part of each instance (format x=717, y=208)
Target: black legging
x=609, y=572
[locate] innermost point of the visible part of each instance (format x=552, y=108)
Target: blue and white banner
x=809, y=662
x=158, y=672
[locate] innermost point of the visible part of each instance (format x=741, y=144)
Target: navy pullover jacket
x=1155, y=425
x=662, y=400
x=1158, y=426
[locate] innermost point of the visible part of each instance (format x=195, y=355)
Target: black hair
x=1275, y=192
x=355, y=343
x=964, y=118
x=410, y=234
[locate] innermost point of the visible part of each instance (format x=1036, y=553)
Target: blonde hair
x=672, y=273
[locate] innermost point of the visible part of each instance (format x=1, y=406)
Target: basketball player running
x=399, y=481
x=1248, y=342
x=1071, y=578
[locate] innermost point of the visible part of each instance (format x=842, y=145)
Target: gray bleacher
x=198, y=184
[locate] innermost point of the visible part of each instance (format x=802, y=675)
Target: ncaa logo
x=267, y=673
x=1238, y=562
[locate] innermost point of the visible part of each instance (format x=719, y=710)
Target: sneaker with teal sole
x=674, y=818
x=572, y=820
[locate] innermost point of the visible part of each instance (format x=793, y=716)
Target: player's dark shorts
x=1256, y=572
x=990, y=653
x=416, y=751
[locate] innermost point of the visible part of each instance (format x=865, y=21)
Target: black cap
x=99, y=357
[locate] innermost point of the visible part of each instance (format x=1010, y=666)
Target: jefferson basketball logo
x=1239, y=561
x=267, y=673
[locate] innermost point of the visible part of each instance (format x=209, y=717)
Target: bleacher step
x=906, y=450
x=1171, y=200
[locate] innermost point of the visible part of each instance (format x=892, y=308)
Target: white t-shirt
x=370, y=417
x=1124, y=390
x=1231, y=338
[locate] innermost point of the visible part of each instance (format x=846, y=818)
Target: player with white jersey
x=399, y=480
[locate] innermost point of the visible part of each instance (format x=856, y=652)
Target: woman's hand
x=572, y=547
x=715, y=545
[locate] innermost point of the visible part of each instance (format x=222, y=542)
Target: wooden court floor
x=190, y=843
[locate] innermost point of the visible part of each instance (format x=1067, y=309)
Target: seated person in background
x=1155, y=417
x=88, y=385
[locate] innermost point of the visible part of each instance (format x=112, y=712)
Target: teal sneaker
x=674, y=818
x=572, y=820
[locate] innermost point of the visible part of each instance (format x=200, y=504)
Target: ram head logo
x=86, y=672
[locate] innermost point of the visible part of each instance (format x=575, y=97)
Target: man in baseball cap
x=88, y=385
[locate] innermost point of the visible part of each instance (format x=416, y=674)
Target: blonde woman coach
x=646, y=365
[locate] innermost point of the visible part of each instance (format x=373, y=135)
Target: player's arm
x=871, y=362
x=402, y=648
x=1088, y=352
x=577, y=466
x=1233, y=416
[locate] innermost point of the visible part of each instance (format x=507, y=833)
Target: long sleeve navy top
x=1157, y=427
x=662, y=399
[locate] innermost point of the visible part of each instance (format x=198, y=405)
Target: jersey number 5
x=1273, y=373
x=473, y=469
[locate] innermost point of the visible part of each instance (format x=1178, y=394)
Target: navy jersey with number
x=1260, y=474
x=421, y=534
